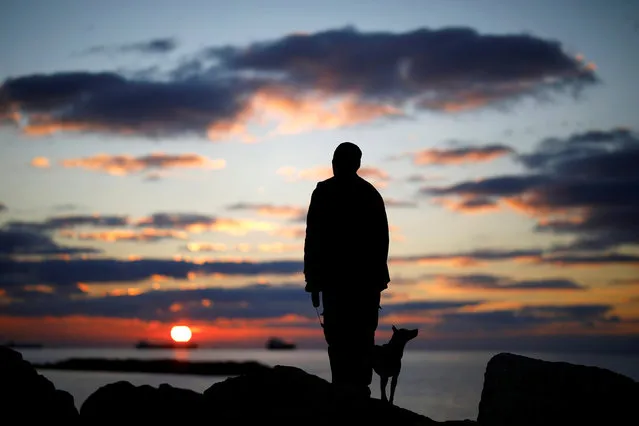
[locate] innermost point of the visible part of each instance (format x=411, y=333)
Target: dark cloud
x=24, y=242
x=585, y=186
x=429, y=305
x=154, y=46
x=68, y=221
x=527, y=317
x=471, y=257
x=197, y=222
x=380, y=74
x=497, y=282
x=107, y=102
x=2, y=207
x=446, y=69
x=535, y=256
x=70, y=272
x=264, y=301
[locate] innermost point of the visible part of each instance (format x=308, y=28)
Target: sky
x=158, y=159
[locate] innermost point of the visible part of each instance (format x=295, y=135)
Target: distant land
x=167, y=366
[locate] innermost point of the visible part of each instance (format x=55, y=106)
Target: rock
x=525, y=392
x=28, y=397
x=122, y=401
x=289, y=396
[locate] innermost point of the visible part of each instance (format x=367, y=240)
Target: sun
x=181, y=333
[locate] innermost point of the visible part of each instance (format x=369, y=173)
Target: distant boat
x=143, y=344
x=12, y=344
x=275, y=343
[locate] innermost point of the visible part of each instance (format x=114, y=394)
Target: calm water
x=441, y=385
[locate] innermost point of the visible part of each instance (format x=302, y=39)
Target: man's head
x=346, y=159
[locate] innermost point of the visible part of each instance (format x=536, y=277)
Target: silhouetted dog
x=387, y=359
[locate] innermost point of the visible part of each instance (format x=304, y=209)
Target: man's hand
x=315, y=297
x=312, y=286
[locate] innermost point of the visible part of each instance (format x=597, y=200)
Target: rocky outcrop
x=290, y=396
x=529, y=392
x=30, y=398
x=115, y=402
x=280, y=395
x=518, y=391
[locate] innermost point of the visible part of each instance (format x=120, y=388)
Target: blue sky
x=502, y=99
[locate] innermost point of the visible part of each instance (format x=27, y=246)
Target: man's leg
x=368, y=314
x=336, y=337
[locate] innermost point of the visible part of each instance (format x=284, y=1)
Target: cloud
x=533, y=256
x=278, y=247
x=317, y=173
x=25, y=242
x=448, y=69
x=143, y=235
x=154, y=46
x=290, y=212
x=107, y=270
x=246, y=302
x=473, y=204
x=197, y=223
x=3, y=207
x=206, y=247
x=40, y=162
x=461, y=155
x=626, y=281
x=470, y=258
x=496, y=282
x=294, y=232
x=68, y=221
x=106, y=102
x=527, y=317
x=393, y=202
x=126, y=164
x=323, y=80
x=585, y=186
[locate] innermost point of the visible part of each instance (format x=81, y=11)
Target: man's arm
x=312, y=243
x=383, y=233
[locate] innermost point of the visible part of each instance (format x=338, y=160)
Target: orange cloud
x=315, y=173
x=271, y=210
x=462, y=155
x=468, y=204
x=40, y=162
x=198, y=247
x=39, y=288
x=121, y=165
x=147, y=234
x=293, y=232
x=201, y=223
x=280, y=247
x=297, y=113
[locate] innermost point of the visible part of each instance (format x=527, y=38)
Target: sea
x=442, y=385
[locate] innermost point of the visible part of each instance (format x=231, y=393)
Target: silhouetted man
x=345, y=258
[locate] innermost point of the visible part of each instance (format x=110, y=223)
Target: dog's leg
x=383, y=381
x=393, y=385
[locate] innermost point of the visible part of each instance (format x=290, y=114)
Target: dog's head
x=404, y=334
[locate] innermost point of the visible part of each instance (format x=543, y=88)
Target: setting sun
x=181, y=333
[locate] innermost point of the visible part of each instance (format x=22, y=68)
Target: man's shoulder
x=326, y=183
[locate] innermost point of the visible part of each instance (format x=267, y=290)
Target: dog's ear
x=394, y=329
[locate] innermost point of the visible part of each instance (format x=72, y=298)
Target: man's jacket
x=347, y=236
